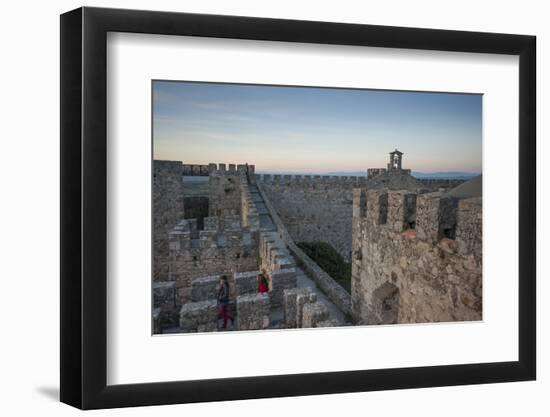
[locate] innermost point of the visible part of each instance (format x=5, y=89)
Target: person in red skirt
x=223, y=301
x=262, y=283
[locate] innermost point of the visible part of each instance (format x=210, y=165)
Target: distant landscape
x=195, y=186
x=454, y=175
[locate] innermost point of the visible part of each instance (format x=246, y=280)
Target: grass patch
x=329, y=260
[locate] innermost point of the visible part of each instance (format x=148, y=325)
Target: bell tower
x=395, y=161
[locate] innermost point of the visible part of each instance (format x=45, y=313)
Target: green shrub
x=329, y=260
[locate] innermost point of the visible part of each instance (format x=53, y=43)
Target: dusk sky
x=315, y=130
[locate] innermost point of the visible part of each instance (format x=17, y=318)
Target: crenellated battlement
x=426, y=216
x=274, y=253
x=168, y=208
x=374, y=172
x=166, y=167
x=310, y=180
x=231, y=169
x=278, y=265
x=220, y=233
x=417, y=257
x=195, y=170
x=198, y=170
x=249, y=213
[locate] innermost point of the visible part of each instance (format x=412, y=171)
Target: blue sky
x=315, y=130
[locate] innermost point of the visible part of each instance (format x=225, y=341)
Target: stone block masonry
x=168, y=210
x=219, y=249
x=246, y=282
x=337, y=294
x=278, y=264
x=206, y=288
x=199, y=317
x=315, y=210
x=416, y=257
x=281, y=280
x=328, y=323
x=293, y=304
x=164, y=295
x=164, y=305
x=469, y=234
x=314, y=313
x=319, y=208
x=224, y=242
x=273, y=253
x=225, y=188
x=157, y=327
x=253, y=312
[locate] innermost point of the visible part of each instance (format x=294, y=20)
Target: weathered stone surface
x=246, y=282
x=313, y=313
x=252, y=312
x=389, y=238
x=337, y=294
x=167, y=211
x=224, y=242
x=209, y=253
x=293, y=303
x=320, y=208
x=164, y=300
x=157, y=328
x=430, y=272
x=199, y=316
x=469, y=229
x=205, y=288
x=281, y=280
x=164, y=295
x=329, y=323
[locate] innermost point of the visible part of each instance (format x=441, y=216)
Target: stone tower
x=395, y=161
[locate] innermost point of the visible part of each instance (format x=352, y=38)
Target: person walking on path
x=223, y=301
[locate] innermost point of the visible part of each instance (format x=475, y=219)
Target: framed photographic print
x=258, y=207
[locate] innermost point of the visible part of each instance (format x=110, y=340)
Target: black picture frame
x=84, y=207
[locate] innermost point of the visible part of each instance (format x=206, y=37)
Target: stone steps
x=266, y=222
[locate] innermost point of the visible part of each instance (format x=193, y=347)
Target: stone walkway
x=266, y=222
x=276, y=314
x=304, y=281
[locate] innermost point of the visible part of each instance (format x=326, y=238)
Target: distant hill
x=452, y=175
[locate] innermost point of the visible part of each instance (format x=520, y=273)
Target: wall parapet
x=430, y=217
x=253, y=312
x=218, y=233
x=195, y=170
x=199, y=316
x=417, y=257
x=335, y=292
x=205, y=288
x=310, y=180
x=231, y=169
x=249, y=213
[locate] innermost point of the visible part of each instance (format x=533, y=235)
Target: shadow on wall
x=386, y=304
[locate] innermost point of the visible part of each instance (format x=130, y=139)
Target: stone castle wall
x=435, y=184
x=225, y=187
x=168, y=210
x=218, y=244
x=314, y=208
x=223, y=247
x=416, y=257
x=334, y=291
